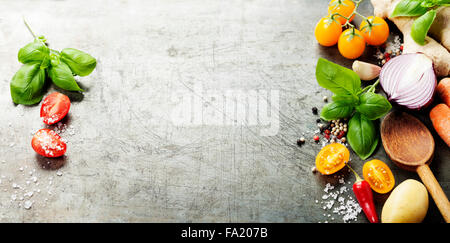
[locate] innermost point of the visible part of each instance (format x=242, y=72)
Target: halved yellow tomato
x=379, y=176
x=332, y=158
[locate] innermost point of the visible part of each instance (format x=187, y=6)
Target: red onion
x=409, y=80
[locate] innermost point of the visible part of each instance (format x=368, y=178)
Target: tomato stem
x=347, y=23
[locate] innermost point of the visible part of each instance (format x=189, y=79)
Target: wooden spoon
x=410, y=145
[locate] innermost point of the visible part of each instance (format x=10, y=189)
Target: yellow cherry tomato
x=351, y=43
x=342, y=7
x=327, y=31
x=379, y=176
x=375, y=30
x=332, y=158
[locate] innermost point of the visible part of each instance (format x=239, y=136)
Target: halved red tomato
x=48, y=143
x=54, y=108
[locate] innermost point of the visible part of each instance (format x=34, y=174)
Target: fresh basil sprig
x=362, y=106
x=424, y=10
x=41, y=62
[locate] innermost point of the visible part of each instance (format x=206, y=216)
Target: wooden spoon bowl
x=407, y=140
x=410, y=145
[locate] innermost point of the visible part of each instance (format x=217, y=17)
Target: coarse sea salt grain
x=334, y=200
x=25, y=186
x=27, y=204
x=63, y=129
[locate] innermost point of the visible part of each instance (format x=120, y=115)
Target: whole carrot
x=440, y=117
x=364, y=195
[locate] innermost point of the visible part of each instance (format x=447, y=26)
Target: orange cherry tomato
x=332, y=158
x=379, y=176
x=342, y=7
x=375, y=30
x=351, y=43
x=327, y=31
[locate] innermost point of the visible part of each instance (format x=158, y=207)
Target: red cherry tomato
x=48, y=143
x=54, y=108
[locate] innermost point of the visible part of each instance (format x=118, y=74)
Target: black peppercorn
x=314, y=110
x=301, y=141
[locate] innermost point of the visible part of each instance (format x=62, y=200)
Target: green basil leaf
x=336, y=110
x=33, y=52
x=79, y=62
x=430, y=3
x=62, y=77
x=409, y=8
x=362, y=135
x=338, y=79
x=27, y=84
x=443, y=2
x=373, y=106
x=349, y=100
x=421, y=25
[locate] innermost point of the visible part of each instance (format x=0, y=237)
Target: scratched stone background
x=128, y=160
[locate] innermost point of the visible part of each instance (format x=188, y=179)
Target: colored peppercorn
x=316, y=138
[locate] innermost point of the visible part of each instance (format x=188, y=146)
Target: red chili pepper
x=364, y=195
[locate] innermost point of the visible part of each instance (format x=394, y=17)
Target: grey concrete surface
x=130, y=157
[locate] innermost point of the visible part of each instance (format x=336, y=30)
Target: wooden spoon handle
x=435, y=190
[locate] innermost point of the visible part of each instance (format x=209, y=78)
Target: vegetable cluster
x=425, y=10
x=362, y=106
x=330, y=30
x=40, y=62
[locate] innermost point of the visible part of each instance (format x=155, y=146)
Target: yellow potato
x=408, y=203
